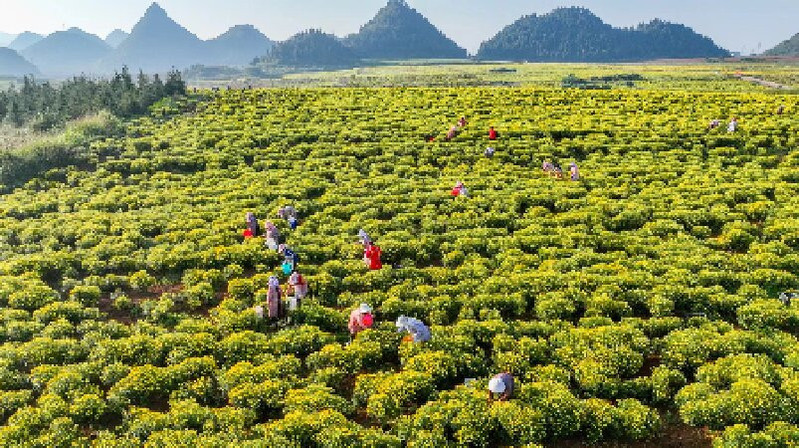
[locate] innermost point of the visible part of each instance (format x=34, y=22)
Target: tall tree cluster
x=45, y=105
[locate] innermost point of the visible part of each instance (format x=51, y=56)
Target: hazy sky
x=734, y=24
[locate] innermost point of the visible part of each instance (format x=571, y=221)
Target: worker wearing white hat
x=360, y=319
x=416, y=328
x=502, y=385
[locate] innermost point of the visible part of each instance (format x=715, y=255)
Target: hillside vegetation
x=309, y=49
x=789, y=47
x=646, y=292
x=400, y=32
x=577, y=35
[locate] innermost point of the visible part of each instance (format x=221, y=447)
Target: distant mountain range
x=577, y=35
x=157, y=43
x=789, y=47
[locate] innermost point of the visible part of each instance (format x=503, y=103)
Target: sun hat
x=402, y=321
x=496, y=386
x=364, y=308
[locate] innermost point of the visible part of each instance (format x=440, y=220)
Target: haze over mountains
x=238, y=46
x=66, y=53
x=15, y=65
x=157, y=43
x=6, y=39
x=24, y=40
x=116, y=37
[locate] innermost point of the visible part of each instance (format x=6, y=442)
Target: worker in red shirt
x=459, y=190
x=372, y=257
x=492, y=133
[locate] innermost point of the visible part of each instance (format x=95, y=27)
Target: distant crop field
x=685, y=76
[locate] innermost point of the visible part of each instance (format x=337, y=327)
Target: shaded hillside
x=789, y=47
x=25, y=40
x=238, y=46
x=400, y=32
x=661, y=39
x=577, y=35
x=12, y=64
x=65, y=53
x=311, y=48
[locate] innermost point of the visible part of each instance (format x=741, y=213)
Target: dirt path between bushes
x=763, y=82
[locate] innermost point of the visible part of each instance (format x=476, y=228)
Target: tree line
x=45, y=105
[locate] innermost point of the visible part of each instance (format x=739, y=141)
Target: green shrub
x=86, y=295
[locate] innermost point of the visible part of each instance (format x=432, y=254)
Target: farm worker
x=416, y=328
x=298, y=285
x=502, y=385
x=462, y=122
x=733, y=126
x=781, y=109
x=360, y=319
x=558, y=171
x=291, y=259
x=459, y=190
x=364, y=237
x=489, y=152
x=287, y=212
x=252, y=223
x=259, y=312
x=366, y=248
x=247, y=234
x=372, y=255
x=575, y=173
x=272, y=236
x=273, y=298
x=270, y=228
x=453, y=131
x=492, y=133
x=287, y=267
x=714, y=124
x=429, y=138
x=548, y=167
